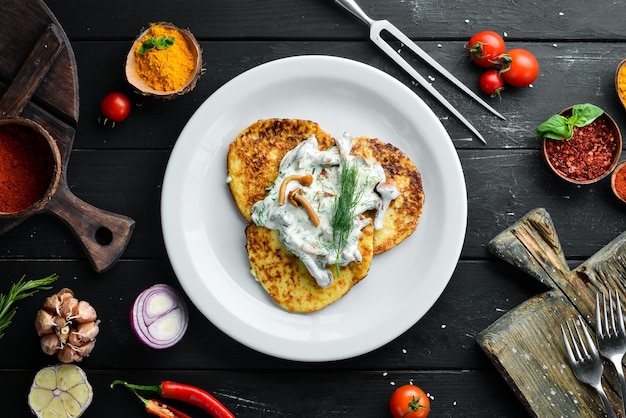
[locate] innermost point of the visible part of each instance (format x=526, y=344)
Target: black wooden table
x=578, y=45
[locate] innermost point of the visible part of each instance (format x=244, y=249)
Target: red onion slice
x=159, y=316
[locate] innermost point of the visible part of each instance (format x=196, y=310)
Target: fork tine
x=578, y=343
x=612, y=308
x=620, y=315
x=587, y=368
x=590, y=344
x=568, y=347
x=599, y=311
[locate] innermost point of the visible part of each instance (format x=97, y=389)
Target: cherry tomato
x=409, y=401
x=520, y=67
x=491, y=83
x=485, y=48
x=114, y=107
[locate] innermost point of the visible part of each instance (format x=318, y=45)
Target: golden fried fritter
x=403, y=214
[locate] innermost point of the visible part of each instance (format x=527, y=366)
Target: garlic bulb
x=60, y=391
x=67, y=326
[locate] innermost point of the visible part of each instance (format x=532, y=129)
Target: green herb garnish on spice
x=344, y=208
x=19, y=291
x=561, y=128
x=162, y=42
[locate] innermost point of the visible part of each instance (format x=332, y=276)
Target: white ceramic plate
x=204, y=233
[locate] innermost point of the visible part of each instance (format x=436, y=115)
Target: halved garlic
x=60, y=391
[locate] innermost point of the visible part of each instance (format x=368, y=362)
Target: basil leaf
x=584, y=114
x=163, y=42
x=147, y=45
x=556, y=127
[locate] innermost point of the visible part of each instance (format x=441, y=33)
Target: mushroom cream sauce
x=296, y=221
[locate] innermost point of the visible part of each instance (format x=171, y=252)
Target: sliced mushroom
x=303, y=179
x=298, y=200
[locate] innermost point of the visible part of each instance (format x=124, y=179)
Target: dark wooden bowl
x=620, y=166
x=612, y=125
x=56, y=169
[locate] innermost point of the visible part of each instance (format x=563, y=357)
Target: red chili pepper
x=154, y=406
x=186, y=393
x=162, y=410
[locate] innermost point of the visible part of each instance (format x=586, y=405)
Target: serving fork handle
x=355, y=9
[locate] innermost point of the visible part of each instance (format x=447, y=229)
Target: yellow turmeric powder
x=621, y=83
x=166, y=69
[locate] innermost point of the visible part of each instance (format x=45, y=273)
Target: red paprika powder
x=26, y=167
x=619, y=182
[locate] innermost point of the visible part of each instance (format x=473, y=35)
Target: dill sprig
x=19, y=291
x=344, y=208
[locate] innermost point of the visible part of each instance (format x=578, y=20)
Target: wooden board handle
x=103, y=235
x=532, y=245
x=32, y=72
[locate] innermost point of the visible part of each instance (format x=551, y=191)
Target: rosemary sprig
x=344, y=208
x=19, y=291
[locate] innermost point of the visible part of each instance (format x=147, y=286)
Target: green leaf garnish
x=19, y=291
x=561, y=128
x=162, y=42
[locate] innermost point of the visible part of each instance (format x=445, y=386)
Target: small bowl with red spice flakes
x=582, y=144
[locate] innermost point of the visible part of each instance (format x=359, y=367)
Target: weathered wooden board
x=526, y=344
x=39, y=82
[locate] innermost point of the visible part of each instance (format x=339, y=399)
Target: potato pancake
x=253, y=163
x=286, y=279
x=403, y=214
x=255, y=154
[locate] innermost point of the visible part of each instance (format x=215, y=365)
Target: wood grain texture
x=526, y=344
x=121, y=170
x=103, y=235
x=23, y=23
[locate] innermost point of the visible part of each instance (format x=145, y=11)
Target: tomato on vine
x=491, y=83
x=519, y=67
x=114, y=107
x=409, y=401
x=485, y=48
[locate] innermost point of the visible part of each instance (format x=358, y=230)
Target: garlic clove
x=65, y=293
x=85, y=349
x=50, y=343
x=68, y=308
x=84, y=333
x=67, y=354
x=44, y=323
x=84, y=312
x=52, y=304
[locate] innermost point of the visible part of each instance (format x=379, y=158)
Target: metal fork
x=586, y=363
x=611, y=335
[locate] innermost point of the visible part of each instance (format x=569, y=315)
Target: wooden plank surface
x=578, y=46
x=526, y=344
